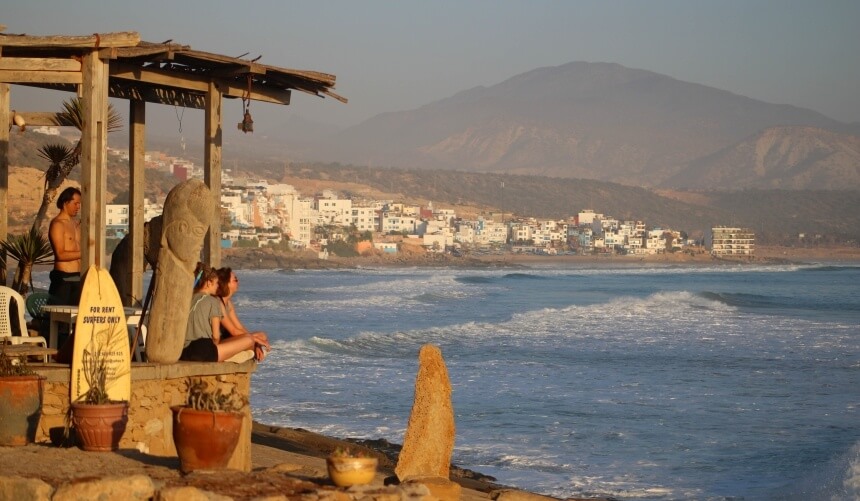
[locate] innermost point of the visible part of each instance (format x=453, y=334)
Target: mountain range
x=606, y=122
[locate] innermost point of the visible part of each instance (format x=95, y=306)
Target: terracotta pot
x=20, y=409
x=347, y=471
x=205, y=440
x=99, y=427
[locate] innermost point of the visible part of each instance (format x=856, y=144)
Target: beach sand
x=287, y=464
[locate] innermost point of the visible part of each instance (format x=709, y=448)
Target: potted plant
x=99, y=422
x=20, y=400
x=206, y=430
x=347, y=467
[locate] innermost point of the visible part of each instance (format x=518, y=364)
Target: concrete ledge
x=154, y=389
x=58, y=373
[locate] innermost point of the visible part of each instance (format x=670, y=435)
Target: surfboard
x=101, y=334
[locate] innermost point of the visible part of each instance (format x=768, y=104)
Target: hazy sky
x=400, y=55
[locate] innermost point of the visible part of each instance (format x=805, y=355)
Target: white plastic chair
x=8, y=295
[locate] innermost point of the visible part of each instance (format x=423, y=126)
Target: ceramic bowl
x=347, y=471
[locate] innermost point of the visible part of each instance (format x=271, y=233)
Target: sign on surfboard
x=101, y=336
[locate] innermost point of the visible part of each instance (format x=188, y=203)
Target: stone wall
x=154, y=389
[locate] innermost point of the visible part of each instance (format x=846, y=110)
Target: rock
x=131, y=488
x=439, y=488
x=429, y=440
x=24, y=488
x=190, y=494
x=515, y=495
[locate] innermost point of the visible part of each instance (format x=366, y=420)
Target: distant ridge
x=780, y=157
x=586, y=120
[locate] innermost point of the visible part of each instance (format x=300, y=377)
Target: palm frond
x=56, y=155
x=73, y=115
x=31, y=247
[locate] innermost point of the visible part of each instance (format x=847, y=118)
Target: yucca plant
x=63, y=159
x=56, y=155
x=29, y=249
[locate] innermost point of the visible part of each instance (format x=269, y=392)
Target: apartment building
x=730, y=241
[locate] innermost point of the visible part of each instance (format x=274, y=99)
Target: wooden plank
x=18, y=350
x=258, y=92
x=21, y=76
x=96, y=40
x=39, y=64
x=159, y=77
x=37, y=118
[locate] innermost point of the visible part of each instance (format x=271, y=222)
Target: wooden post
x=212, y=172
x=94, y=98
x=4, y=172
x=137, y=161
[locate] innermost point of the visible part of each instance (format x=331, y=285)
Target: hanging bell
x=247, y=123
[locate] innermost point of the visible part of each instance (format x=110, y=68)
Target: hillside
x=781, y=158
x=778, y=216
x=27, y=181
x=588, y=120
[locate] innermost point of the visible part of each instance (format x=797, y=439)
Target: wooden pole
x=137, y=161
x=94, y=97
x=4, y=173
x=212, y=172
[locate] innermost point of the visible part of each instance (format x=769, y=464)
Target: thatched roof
x=164, y=73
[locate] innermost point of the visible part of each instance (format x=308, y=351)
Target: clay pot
x=20, y=409
x=347, y=471
x=205, y=440
x=99, y=427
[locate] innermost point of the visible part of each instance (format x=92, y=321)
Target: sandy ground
x=285, y=462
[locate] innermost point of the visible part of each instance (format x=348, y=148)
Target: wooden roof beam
x=39, y=64
x=25, y=77
x=157, y=95
x=38, y=118
x=233, y=89
x=96, y=40
x=197, y=83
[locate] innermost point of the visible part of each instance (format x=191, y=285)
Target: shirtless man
x=65, y=236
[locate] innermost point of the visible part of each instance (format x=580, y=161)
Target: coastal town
x=256, y=213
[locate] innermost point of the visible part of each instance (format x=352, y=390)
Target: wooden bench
x=28, y=350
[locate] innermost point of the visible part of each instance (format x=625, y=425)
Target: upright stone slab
x=188, y=211
x=429, y=440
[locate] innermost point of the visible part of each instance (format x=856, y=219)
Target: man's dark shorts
x=65, y=288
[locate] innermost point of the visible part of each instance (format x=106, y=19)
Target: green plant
x=202, y=397
x=29, y=249
x=63, y=159
x=13, y=366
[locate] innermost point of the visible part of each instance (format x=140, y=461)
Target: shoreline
x=259, y=258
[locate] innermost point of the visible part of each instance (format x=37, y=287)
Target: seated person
x=228, y=284
x=203, y=341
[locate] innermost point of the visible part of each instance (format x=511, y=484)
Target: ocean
x=641, y=382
